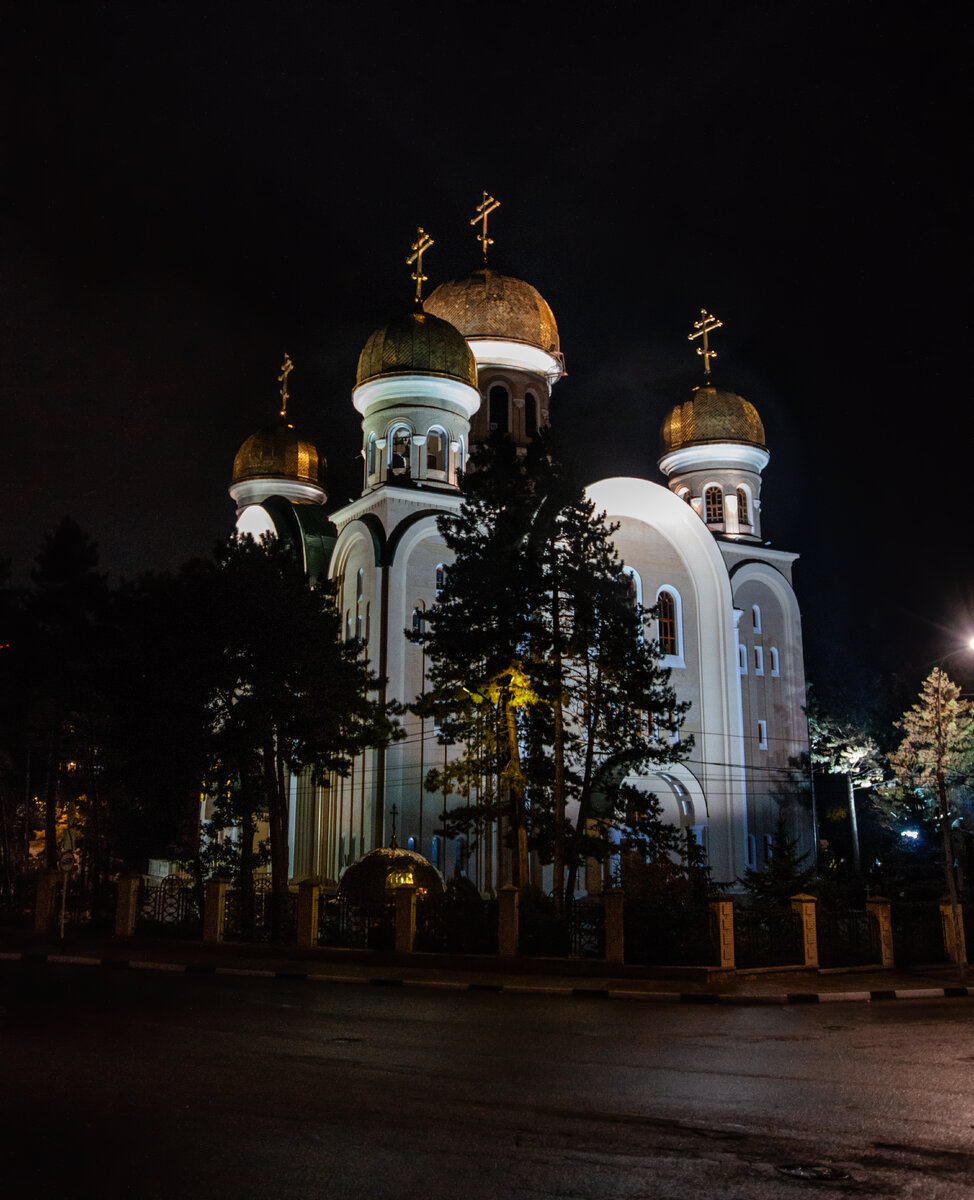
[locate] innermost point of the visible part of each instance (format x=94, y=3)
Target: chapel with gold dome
x=480, y=356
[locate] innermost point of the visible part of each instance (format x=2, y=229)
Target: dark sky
x=189, y=190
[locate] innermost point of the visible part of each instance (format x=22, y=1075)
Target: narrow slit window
x=743, y=512
x=762, y=735
x=531, y=415
x=774, y=660
x=758, y=660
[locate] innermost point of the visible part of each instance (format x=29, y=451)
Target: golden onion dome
x=279, y=452
x=417, y=344
x=371, y=881
x=490, y=305
x=711, y=416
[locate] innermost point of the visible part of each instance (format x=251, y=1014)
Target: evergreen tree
x=935, y=755
x=541, y=669
x=784, y=876
x=287, y=694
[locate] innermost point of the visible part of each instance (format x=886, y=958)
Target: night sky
x=189, y=190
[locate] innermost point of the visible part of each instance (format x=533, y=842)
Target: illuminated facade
x=483, y=354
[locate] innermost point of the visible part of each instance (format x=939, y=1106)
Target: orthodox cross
x=705, y=325
x=419, y=248
x=286, y=368
x=395, y=813
x=484, y=209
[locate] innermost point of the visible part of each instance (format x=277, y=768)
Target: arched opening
x=743, y=509
x=669, y=642
x=713, y=500
x=399, y=451
x=436, y=450
x=499, y=402
x=531, y=414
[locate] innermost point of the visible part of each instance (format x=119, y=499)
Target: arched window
x=499, y=407
x=436, y=450
x=743, y=512
x=370, y=455
x=359, y=585
x=713, y=501
x=530, y=414
x=635, y=585
x=684, y=494
x=440, y=578
x=399, y=450
x=419, y=623
x=668, y=639
x=774, y=661
x=460, y=457
x=756, y=618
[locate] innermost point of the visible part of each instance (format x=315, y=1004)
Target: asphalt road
x=147, y=1084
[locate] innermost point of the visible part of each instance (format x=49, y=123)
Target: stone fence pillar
x=723, y=914
x=46, y=903
x=214, y=910
x=804, y=906
x=615, y=942
x=405, y=918
x=308, y=896
x=954, y=941
x=127, y=906
x=507, y=921
x=879, y=907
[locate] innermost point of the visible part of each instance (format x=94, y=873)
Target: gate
x=768, y=937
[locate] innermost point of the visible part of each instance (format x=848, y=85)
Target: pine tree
x=783, y=876
x=936, y=754
x=287, y=694
x=541, y=669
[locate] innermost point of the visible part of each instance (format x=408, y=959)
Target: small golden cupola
x=278, y=461
x=713, y=450
x=514, y=337
x=416, y=388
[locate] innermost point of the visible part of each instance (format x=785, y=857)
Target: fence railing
x=766, y=937
x=272, y=917
x=847, y=937
x=169, y=908
x=656, y=936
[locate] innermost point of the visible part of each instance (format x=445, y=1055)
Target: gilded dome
x=711, y=416
x=417, y=344
x=371, y=880
x=489, y=305
x=279, y=452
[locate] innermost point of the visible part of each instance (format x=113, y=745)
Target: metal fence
x=918, y=934
x=586, y=925
x=341, y=923
x=266, y=907
x=17, y=901
x=669, y=937
x=847, y=937
x=767, y=937
x=169, y=908
x=456, y=924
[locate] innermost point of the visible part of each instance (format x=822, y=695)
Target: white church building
x=483, y=354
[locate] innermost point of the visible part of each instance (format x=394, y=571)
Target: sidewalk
x=551, y=977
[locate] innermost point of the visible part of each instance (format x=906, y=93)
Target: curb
x=586, y=993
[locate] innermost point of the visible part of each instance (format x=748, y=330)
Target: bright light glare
x=912, y=834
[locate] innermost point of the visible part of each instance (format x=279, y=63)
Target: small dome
x=711, y=416
x=417, y=344
x=371, y=880
x=279, y=452
x=490, y=305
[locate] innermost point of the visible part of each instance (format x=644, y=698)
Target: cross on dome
x=286, y=368
x=702, y=328
x=419, y=248
x=484, y=209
